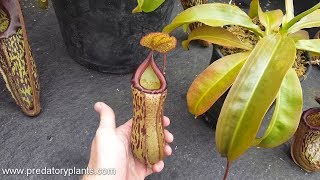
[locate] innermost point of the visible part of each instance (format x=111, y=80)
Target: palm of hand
x=111, y=148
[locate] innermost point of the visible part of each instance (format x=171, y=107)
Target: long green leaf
x=213, y=82
x=252, y=93
x=253, y=11
x=289, y=11
x=147, y=5
x=287, y=113
x=271, y=20
x=312, y=45
x=215, y=35
x=309, y=21
x=293, y=21
x=214, y=14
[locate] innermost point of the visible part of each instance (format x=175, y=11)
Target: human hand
x=111, y=149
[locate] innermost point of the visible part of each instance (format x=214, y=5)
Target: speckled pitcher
x=305, y=149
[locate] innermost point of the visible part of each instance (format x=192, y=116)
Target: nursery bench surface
x=61, y=135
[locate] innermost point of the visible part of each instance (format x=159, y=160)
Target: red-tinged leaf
x=213, y=82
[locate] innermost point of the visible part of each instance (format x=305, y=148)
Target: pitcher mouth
x=9, y=7
x=149, y=62
x=307, y=115
x=4, y=19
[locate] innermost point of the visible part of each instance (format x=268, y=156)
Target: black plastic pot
x=265, y=4
x=299, y=5
x=104, y=34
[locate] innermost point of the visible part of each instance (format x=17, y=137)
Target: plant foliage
x=259, y=77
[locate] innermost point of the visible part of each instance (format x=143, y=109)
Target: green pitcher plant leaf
x=147, y=5
x=299, y=35
x=299, y=17
x=312, y=45
x=216, y=15
x=252, y=93
x=287, y=113
x=309, y=21
x=271, y=20
x=213, y=82
x=289, y=11
x=253, y=11
x=215, y=35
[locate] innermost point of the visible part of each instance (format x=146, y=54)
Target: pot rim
x=307, y=113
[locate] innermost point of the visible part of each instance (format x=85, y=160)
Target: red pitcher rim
x=137, y=75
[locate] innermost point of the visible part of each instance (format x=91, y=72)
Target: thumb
x=107, y=117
